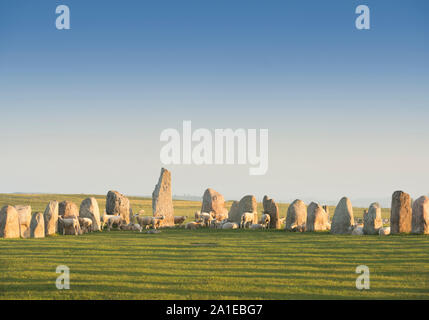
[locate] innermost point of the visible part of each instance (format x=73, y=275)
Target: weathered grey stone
x=24, y=217
x=271, y=208
x=246, y=204
x=400, y=213
x=50, y=216
x=420, y=216
x=9, y=222
x=317, y=218
x=37, y=227
x=214, y=203
x=118, y=205
x=296, y=216
x=343, y=219
x=372, y=221
x=162, y=199
x=89, y=209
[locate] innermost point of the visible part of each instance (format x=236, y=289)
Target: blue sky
x=347, y=109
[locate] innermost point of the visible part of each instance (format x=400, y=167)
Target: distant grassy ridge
x=38, y=203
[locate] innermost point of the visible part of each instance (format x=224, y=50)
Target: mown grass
x=212, y=264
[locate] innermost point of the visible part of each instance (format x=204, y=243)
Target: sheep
x=282, y=220
x=197, y=215
x=207, y=219
x=384, y=231
x=147, y=221
x=70, y=223
x=179, y=220
x=246, y=219
x=85, y=224
x=110, y=220
x=193, y=225
x=230, y=225
x=358, y=231
x=257, y=226
x=157, y=222
x=265, y=220
x=131, y=227
x=215, y=224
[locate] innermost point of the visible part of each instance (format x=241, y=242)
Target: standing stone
x=296, y=216
x=271, y=208
x=214, y=203
x=118, y=204
x=420, y=220
x=50, y=216
x=37, y=226
x=372, y=221
x=89, y=209
x=162, y=199
x=246, y=204
x=343, y=220
x=67, y=209
x=317, y=218
x=9, y=222
x=24, y=217
x=400, y=213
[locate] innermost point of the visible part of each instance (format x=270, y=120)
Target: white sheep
x=230, y=225
x=197, y=215
x=110, y=220
x=179, y=220
x=257, y=226
x=384, y=231
x=131, y=227
x=193, y=225
x=207, y=219
x=70, y=223
x=147, y=221
x=246, y=219
x=265, y=220
x=85, y=224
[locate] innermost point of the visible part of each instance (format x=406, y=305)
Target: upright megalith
x=296, y=216
x=400, y=213
x=420, y=216
x=9, y=222
x=162, y=199
x=37, y=226
x=67, y=210
x=214, y=203
x=50, y=216
x=343, y=219
x=246, y=204
x=271, y=208
x=119, y=205
x=24, y=217
x=317, y=218
x=89, y=209
x=372, y=221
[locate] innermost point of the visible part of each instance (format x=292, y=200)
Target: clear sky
x=347, y=110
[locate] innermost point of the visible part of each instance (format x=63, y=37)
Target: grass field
x=210, y=264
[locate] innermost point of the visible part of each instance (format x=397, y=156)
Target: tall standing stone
x=246, y=204
x=67, y=209
x=271, y=208
x=119, y=205
x=9, y=222
x=400, y=213
x=162, y=199
x=420, y=220
x=343, y=219
x=37, y=227
x=89, y=209
x=24, y=217
x=214, y=203
x=296, y=216
x=50, y=216
x=317, y=218
x=372, y=221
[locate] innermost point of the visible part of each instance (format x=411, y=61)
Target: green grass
x=210, y=264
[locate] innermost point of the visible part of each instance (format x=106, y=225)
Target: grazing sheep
x=131, y=227
x=230, y=225
x=179, y=220
x=265, y=220
x=72, y=223
x=147, y=221
x=110, y=220
x=85, y=224
x=193, y=225
x=384, y=231
x=215, y=224
x=246, y=219
x=207, y=219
